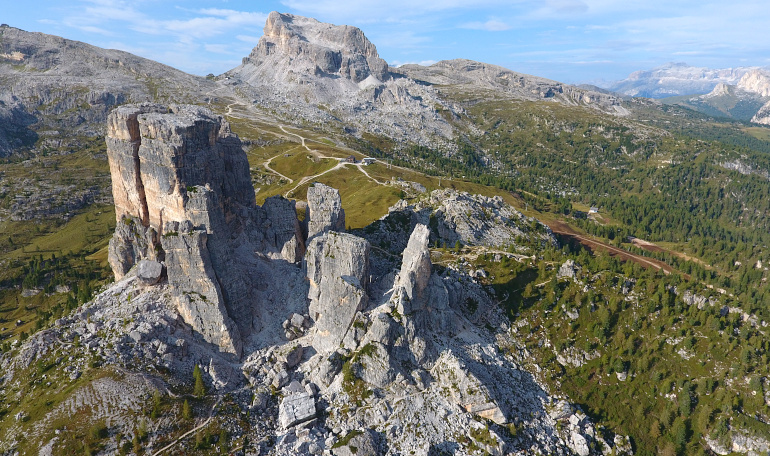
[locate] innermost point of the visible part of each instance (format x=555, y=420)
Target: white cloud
x=368, y=11
x=397, y=63
x=491, y=25
x=251, y=39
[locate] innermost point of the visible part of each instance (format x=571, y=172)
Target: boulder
x=568, y=269
x=363, y=442
x=295, y=409
x=149, y=272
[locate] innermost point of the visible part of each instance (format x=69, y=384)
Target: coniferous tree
x=199, y=390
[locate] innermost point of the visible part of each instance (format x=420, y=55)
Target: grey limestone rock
x=472, y=219
x=364, y=442
x=416, y=269
x=568, y=269
x=183, y=194
x=197, y=293
x=337, y=268
x=763, y=115
x=283, y=231
x=325, y=211
x=418, y=293
x=131, y=243
x=340, y=50
x=149, y=272
x=295, y=409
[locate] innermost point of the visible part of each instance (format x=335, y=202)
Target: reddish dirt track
x=565, y=230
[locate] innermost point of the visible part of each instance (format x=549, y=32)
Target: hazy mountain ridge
x=673, y=79
x=745, y=100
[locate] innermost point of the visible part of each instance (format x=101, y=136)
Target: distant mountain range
x=674, y=79
x=740, y=93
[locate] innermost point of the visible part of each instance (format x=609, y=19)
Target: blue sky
x=567, y=40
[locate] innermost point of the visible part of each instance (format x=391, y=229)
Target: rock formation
x=471, y=219
x=338, y=271
x=318, y=48
x=763, y=115
x=325, y=211
x=183, y=194
x=418, y=294
x=282, y=229
x=756, y=81
x=309, y=69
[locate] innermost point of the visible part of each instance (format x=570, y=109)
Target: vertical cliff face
x=183, y=194
x=158, y=155
x=325, y=210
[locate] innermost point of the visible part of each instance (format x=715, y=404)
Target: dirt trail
x=266, y=164
x=563, y=229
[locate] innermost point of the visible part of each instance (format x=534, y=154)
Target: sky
x=572, y=41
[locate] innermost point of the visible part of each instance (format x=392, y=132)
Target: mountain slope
x=501, y=81
x=333, y=74
x=71, y=85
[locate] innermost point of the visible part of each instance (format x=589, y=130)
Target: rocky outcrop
x=471, y=219
x=183, y=194
x=763, y=115
x=756, y=81
x=569, y=269
x=338, y=271
x=416, y=268
x=198, y=295
x=15, y=131
x=131, y=243
x=158, y=156
x=418, y=294
x=325, y=211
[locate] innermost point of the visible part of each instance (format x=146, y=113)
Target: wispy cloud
x=398, y=63
x=178, y=37
x=366, y=11
x=492, y=25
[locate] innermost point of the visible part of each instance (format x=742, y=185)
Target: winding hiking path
x=266, y=164
x=318, y=154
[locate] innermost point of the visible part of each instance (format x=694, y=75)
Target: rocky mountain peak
x=307, y=45
x=756, y=81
